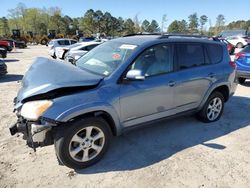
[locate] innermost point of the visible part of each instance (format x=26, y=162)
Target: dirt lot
x=175, y=153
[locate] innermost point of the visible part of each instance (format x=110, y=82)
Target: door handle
x=171, y=83
x=211, y=75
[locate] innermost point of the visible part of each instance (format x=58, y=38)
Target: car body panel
x=54, y=79
x=133, y=102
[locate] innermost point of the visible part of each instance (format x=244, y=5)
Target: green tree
x=145, y=26
x=193, y=23
x=153, y=27
x=129, y=27
x=4, y=27
x=203, y=21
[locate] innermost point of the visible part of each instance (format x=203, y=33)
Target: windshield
x=105, y=58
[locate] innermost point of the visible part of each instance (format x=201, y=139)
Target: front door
x=152, y=98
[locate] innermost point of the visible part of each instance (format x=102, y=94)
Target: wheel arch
x=100, y=113
x=222, y=88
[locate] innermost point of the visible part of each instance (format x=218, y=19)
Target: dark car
x=18, y=44
x=3, y=53
x=242, y=59
x=3, y=68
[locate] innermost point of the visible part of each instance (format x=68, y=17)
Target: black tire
x=239, y=45
x=241, y=80
x=44, y=42
x=63, y=141
x=4, y=47
x=203, y=114
x=54, y=56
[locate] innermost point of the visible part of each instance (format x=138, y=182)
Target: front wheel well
x=106, y=116
x=224, y=90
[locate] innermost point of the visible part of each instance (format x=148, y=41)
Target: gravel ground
x=175, y=153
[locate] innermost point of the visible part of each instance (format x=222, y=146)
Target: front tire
x=241, y=80
x=83, y=143
x=213, y=108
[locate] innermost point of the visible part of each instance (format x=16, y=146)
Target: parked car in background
x=59, y=43
x=3, y=68
x=18, y=44
x=75, y=53
x=117, y=86
x=229, y=33
x=242, y=60
x=6, y=45
x=238, y=41
x=86, y=39
x=3, y=53
x=61, y=51
x=230, y=47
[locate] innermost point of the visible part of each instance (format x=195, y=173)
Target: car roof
x=143, y=39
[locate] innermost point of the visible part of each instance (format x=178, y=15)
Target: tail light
x=233, y=64
x=238, y=55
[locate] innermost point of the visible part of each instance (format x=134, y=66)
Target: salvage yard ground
x=176, y=153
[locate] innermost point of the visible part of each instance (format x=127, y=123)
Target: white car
x=61, y=51
x=238, y=41
x=75, y=53
x=53, y=44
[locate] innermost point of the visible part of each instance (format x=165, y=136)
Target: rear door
x=195, y=75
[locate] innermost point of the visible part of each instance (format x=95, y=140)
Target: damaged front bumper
x=36, y=133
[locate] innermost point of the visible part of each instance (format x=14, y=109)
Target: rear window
x=246, y=49
x=190, y=55
x=90, y=47
x=215, y=53
x=63, y=42
x=73, y=41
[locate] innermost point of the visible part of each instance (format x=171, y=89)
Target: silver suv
x=117, y=86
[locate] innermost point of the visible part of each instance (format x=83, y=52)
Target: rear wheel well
x=224, y=91
x=106, y=116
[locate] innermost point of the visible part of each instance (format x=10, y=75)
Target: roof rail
x=168, y=35
x=141, y=34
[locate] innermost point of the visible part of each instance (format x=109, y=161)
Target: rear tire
x=241, y=80
x=213, y=108
x=83, y=143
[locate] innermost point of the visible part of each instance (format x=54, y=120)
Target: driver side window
x=155, y=60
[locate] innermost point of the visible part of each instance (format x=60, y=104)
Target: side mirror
x=135, y=75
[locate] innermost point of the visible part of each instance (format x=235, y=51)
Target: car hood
x=46, y=76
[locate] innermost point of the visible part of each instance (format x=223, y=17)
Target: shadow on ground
x=16, y=52
x=11, y=60
x=149, y=145
x=11, y=78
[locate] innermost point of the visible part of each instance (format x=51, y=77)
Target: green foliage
x=40, y=21
x=178, y=27
x=193, y=23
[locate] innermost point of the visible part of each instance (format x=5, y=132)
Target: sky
x=145, y=9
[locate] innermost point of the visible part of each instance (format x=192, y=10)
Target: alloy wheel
x=86, y=144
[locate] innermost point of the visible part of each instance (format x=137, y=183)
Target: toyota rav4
x=117, y=86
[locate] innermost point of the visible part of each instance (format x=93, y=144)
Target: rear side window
x=246, y=49
x=215, y=53
x=63, y=42
x=73, y=41
x=90, y=47
x=190, y=55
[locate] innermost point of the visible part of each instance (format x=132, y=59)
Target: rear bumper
x=243, y=74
